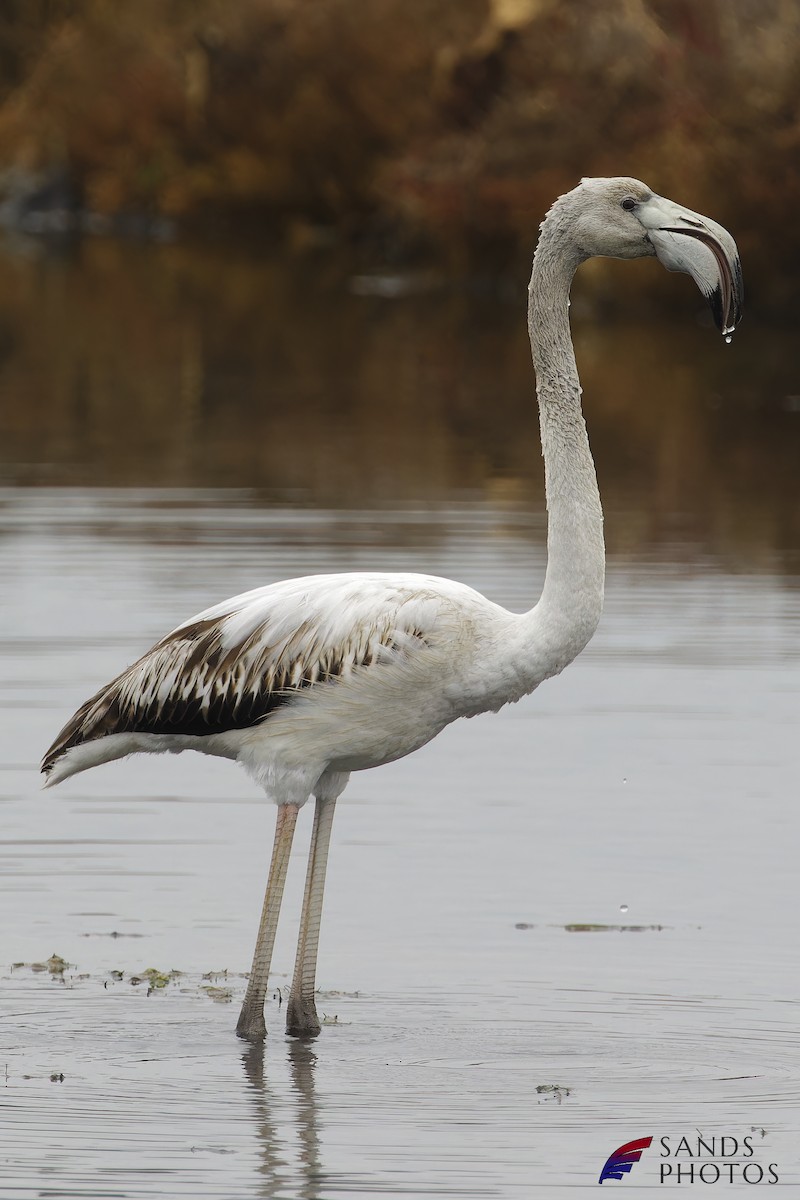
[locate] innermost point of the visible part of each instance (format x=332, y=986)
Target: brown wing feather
x=190, y=684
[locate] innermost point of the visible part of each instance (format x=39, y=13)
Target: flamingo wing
x=230, y=666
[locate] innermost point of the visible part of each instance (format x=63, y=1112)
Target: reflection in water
x=273, y=1161
x=173, y=366
x=276, y=1158
x=302, y=1061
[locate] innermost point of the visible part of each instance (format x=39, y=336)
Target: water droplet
x=624, y=779
x=728, y=338
x=623, y=908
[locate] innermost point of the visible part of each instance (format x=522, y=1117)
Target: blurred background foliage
x=444, y=125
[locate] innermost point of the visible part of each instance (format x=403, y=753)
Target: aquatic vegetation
x=55, y=965
x=155, y=979
x=221, y=995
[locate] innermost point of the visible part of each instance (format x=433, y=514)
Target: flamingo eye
x=629, y=204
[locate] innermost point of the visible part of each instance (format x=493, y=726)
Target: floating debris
x=553, y=1091
x=586, y=927
x=113, y=934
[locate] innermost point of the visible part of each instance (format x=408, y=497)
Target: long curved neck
x=572, y=597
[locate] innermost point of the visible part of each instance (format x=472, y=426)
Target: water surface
x=160, y=458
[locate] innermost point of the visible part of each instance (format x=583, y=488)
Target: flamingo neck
x=572, y=598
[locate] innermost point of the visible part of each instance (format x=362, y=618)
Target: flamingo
x=307, y=680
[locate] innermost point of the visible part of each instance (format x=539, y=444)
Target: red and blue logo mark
x=621, y=1161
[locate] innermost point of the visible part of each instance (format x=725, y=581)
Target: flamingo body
x=313, y=677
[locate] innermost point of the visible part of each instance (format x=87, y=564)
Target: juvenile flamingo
x=304, y=681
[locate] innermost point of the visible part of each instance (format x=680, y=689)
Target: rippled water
x=485, y=1035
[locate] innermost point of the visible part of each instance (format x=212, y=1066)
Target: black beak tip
x=726, y=306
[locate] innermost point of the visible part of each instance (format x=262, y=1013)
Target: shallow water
x=463, y=964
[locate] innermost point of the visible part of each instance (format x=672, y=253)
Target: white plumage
x=304, y=681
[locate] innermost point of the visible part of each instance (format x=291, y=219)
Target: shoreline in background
x=447, y=126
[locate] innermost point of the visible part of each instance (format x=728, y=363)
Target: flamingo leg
x=301, y=1011
x=251, y=1019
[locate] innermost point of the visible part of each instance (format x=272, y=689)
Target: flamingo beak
x=686, y=241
